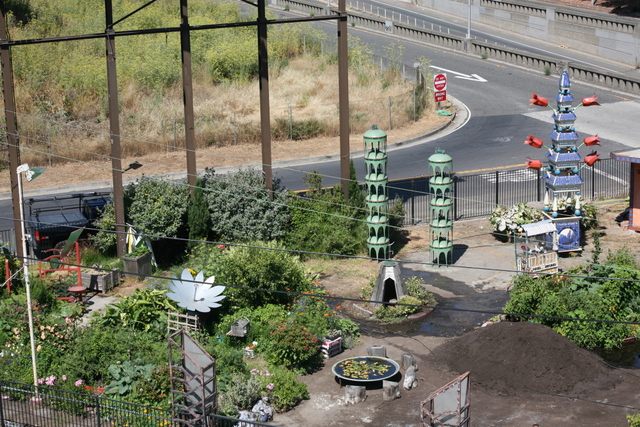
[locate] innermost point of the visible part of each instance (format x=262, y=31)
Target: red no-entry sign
x=440, y=82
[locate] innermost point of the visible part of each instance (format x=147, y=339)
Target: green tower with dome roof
x=377, y=200
x=441, y=208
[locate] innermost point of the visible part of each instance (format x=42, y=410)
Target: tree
x=242, y=208
x=159, y=207
x=322, y=222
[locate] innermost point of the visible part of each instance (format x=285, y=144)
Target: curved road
x=500, y=117
x=489, y=133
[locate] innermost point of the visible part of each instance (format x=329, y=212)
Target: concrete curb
x=459, y=118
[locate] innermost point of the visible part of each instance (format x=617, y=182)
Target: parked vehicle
x=52, y=219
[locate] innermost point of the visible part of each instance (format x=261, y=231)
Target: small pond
x=365, y=369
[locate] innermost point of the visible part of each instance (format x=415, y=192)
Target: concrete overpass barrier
x=513, y=56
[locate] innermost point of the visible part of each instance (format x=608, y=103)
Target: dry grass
x=224, y=114
x=309, y=85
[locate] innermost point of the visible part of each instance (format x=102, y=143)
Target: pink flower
x=222, y=247
x=270, y=386
x=64, y=378
x=253, y=371
x=78, y=383
x=67, y=320
x=40, y=380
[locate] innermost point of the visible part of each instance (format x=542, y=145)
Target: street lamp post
x=31, y=173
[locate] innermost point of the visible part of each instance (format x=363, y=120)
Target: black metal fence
x=476, y=195
x=25, y=405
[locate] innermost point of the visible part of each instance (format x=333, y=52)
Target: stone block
x=355, y=393
x=390, y=390
x=377, y=351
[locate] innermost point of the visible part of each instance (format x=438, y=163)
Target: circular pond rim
x=374, y=358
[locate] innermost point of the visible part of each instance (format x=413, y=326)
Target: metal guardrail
x=25, y=405
x=362, y=14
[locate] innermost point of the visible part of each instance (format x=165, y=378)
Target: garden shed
x=633, y=157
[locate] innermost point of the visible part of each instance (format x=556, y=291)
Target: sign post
x=440, y=88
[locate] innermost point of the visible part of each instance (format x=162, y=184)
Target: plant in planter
x=138, y=261
x=508, y=221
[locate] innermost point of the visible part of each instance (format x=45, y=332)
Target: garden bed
x=101, y=280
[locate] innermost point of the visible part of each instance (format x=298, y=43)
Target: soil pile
x=517, y=358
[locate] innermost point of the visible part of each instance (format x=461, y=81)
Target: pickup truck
x=52, y=219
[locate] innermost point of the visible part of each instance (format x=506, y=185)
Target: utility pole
x=343, y=88
x=187, y=90
x=114, y=130
x=12, y=129
x=265, y=113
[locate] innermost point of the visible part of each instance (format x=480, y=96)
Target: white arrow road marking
x=472, y=77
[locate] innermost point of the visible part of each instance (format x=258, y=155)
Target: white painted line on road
x=612, y=178
x=472, y=77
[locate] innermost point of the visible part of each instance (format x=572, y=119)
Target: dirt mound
x=516, y=358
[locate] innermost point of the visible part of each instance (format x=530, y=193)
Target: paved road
x=495, y=117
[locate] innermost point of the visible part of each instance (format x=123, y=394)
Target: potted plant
x=138, y=261
x=508, y=222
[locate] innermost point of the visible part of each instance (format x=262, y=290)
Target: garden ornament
x=195, y=293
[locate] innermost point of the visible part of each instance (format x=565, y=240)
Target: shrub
x=106, y=238
x=145, y=310
x=395, y=312
x=509, y=221
x=158, y=207
x=199, y=218
x=251, y=272
x=589, y=216
x=43, y=293
x=634, y=420
x=263, y=321
x=322, y=222
x=313, y=312
x=242, y=395
x=96, y=348
x=593, y=297
x=415, y=288
x=242, y=209
x=287, y=391
x=292, y=346
x=297, y=129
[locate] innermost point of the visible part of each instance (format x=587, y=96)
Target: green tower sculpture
x=441, y=207
x=377, y=201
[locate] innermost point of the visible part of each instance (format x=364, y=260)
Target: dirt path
x=520, y=373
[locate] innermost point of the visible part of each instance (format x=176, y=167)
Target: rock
x=410, y=380
x=355, y=393
x=408, y=360
x=390, y=390
x=377, y=351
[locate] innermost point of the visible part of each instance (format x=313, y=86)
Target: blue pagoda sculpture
x=562, y=180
